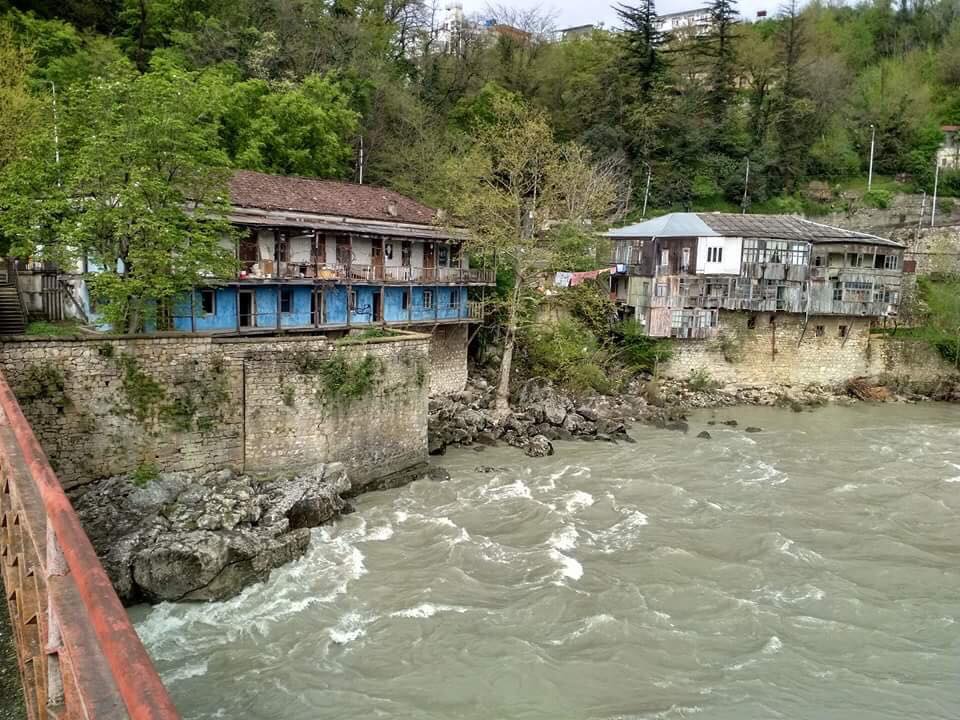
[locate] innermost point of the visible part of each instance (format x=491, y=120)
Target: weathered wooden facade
x=317, y=254
x=675, y=273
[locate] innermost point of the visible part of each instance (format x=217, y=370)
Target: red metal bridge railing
x=79, y=656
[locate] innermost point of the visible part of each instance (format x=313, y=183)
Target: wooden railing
x=79, y=656
x=355, y=272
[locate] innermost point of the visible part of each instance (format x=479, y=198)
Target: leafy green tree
x=308, y=129
x=514, y=185
x=139, y=193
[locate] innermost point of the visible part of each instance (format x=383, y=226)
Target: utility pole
x=361, y=159
x=746, y=189
x=873, y=143
x=936, y=184
x=646, y=193
x=56, y=131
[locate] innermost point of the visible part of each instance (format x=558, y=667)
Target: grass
x=42, y=328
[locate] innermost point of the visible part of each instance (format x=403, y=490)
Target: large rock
x=205, y=538
x=539, y=446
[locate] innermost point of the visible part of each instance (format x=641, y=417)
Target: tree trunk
x=502, y=405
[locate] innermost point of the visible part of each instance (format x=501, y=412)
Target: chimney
x=392, y=210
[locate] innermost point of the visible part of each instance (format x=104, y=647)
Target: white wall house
x=719, y=255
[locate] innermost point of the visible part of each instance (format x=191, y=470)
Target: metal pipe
x=646, y=193
x=936, y=186
x=873, y=141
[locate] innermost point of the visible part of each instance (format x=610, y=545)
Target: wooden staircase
x=13, y=319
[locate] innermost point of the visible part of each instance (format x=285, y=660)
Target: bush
x=878, y=198
x=586, y=377
x=637, y=349
x=700, y=380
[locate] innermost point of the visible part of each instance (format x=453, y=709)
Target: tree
x=139, y=193
x=514, y=186
x=642, y=41
x=305, y=130
x=21, y=110
x=796, y=117
x=717, y=48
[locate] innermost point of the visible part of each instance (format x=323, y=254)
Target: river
x=811, y=570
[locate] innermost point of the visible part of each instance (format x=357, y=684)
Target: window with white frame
x=714, y=254
x=664, y=258
x=428, y=299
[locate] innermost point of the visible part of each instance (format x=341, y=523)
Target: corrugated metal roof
x=672, y=225
x=777, y=227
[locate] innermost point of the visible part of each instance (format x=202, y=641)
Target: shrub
x=586, y=377
x=700, y=380
x=638, y=350
x=878, y=198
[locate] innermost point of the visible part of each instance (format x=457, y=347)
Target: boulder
x=705, y=435
x=753, y=430
x=539, y=446
x=576, y=424
x=182, y=537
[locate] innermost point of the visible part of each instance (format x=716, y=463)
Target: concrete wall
x=780, y=352
x=107, y=405
x=448, y=359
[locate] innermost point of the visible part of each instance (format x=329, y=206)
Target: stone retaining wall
x=448, y=359
x=104, y=406
x=777, y=350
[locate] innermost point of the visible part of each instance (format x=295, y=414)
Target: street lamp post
x=936, y=184
x=873, y=143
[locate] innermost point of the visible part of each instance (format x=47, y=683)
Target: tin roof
x=777, y=227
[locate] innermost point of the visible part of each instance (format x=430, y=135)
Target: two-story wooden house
x=333, y=256
x=676, y=273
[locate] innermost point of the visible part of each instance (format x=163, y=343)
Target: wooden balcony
x=357, y=273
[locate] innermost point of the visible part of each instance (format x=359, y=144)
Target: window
x=405, y=300
x=208, y=302
x=664, y=257
x=854, y=260
x=405, y=253
x=842, y=331
x=455, y=256
x=892, y=262
x=819, y=331
x=388, y=250
x=715, y=254
x=443, y=253
x=838, y=291
x=818, y=261
x=660, y=290
x=455, y=298
x=428, y=299
x=686, y=258
x=286, y=300
x=353, y=300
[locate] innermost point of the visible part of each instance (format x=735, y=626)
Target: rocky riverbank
x=540, y=413
x=180, y=537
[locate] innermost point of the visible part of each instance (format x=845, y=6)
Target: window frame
x=427, y=299
x=212, y=294
x=286, y=300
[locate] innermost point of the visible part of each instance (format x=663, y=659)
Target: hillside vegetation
x=291, y=86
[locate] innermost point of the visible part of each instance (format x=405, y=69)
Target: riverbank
x=542, y=414
x=184, y=537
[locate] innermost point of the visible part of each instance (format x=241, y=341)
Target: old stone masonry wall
x=764, y=349
x=106, y=406
x=448, y=359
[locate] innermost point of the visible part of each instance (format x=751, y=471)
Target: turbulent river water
x=808, y=571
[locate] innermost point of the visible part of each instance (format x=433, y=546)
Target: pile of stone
x=183, y=537
x=540, y=414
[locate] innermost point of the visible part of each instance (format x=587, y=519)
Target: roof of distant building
x=774, y=227
x=950, y=128
x=325, y=197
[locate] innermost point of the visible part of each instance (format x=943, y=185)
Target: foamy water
x=808, y=571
